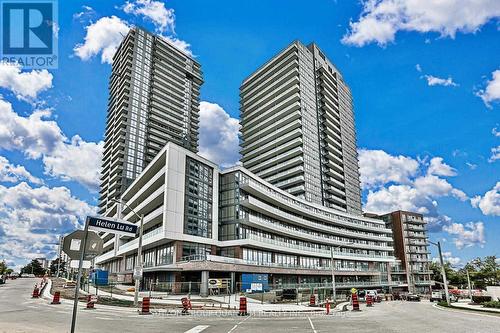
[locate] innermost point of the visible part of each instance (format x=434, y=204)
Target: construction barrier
x=90, y=302
x=355, y=302
x=243, y=307
x=36, y=292
x=369, y=300
x=57, y=298
x=146, y=302
x=312, y=300
x=185, y=305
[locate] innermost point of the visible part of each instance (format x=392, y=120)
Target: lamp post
x=443, y=272
x=138, y=266
x=468, y=283
x=334, y=293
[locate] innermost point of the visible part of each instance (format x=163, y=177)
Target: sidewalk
x=217, y=301
x=476, y=307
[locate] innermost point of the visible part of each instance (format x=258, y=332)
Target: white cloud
x=492, y=91
x=103, y=36
x=404, y=183
x=489, y=203
x=155, y=11
x=34, y=135
x=495, y=154
x=219, y=140
x=471, y=166
x=380, y=20
x=495, y=132
x=379, y=168
x=436, y=81
x=448, y=257
x=418, y=68
x=31, y=220
x=439, y=168
x=180, y=44
x=76, y=160
x=15, y=173
x=39, y=137
x=467, y=235
x=25, y=85
x=86, y=12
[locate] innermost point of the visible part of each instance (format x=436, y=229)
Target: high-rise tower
x=154, y=97
x=298, y=128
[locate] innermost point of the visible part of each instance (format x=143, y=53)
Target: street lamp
x=138, y=267
x=443, y=272
x=333, y=271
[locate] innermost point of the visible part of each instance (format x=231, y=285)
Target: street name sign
x=75, y=263
x=73, y=245
x=113, y=226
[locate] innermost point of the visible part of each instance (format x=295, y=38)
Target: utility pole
x=59, y=256
x=443, y=272
x=139, y=265
x=138, y=273
x=468, y=282
x=334, y=293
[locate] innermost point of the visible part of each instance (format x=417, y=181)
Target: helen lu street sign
x=110, y=225
x=113, y=226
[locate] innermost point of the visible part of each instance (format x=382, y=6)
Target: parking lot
x=20, y=313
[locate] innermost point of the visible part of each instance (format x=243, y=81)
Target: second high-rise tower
x=298, y=128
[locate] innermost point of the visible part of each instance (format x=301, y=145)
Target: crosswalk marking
x=197, y=329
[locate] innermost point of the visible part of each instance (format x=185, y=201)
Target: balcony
x=292, y=232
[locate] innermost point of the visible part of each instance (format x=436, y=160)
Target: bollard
x=90, y=302
x=35, y=293
x=189, y=304
x=56, y=299
x=369, y=300
x=327, y=307
x=355, y=302
x=185, y=305
x=312, y=300
x=146, y=301
x=243, y=307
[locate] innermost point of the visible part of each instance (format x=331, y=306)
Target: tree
x=3, y=267
x=53, y=267
x=482, y=272
x=34, y=267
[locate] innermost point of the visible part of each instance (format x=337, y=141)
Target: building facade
x=297, y=126
x=201, y=222
x=411, y=248
x=154, y=92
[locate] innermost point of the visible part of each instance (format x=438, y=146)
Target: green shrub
x=481, y=299
x=492, y=304
x=442, y=303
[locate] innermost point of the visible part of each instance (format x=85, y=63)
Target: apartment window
x=198, y=200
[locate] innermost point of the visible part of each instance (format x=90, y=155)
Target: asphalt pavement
x=20, y=313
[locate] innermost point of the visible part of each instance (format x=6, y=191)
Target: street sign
x=73, y=244
x=112, y=225
x=137, y=273
x=74, y=263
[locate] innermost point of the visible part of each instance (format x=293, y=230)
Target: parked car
x=413, y=297
x=436, y=296
x=373, y=293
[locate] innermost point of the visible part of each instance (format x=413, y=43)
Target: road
x=20, y=313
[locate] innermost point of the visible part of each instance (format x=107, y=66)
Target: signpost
x=92, y=246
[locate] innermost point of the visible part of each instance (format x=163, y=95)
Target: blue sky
x=422, y=76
